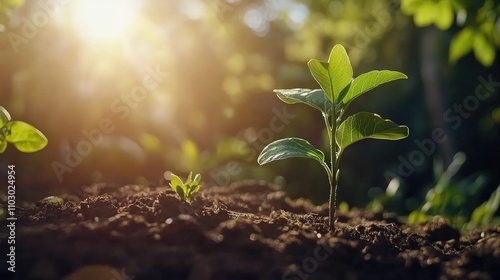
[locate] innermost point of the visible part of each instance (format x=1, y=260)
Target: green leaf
x=334, y=76
x=368, y=125
x=425, y=14
x=409, y=7
x=289, y=148
x=417, y=217
x=461, y=44
x=493, y=202
x=3, y=144
x=483, y=214
x=189, y=179
x=440, y=12
x=319, y=71
x=181, y=191
x=444, y=15
x=186, y=190
x=483, y=49
x=340, y=70
x=53, y=200
x=192, y=190
x=25, y=137
x=178, y=186
x=174, y=181
x=370, y=80
x=4, y=116
x=191, y=186
x=197, y=179
x=315, y=98
x=478, y=214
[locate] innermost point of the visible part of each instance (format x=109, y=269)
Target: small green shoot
x=458, y=200
x=23, y=136
x=483, y=216
x=187, y=190
x=338, y=90
x=53, y=200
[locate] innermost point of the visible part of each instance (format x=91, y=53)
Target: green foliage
x=368, y=125
x=289, y=148
x=191, y=156
x=430, y=12
x=483, y=216
x=480, y=31
x=188, y=189
x=338, y=90
x=23, y=136
x=455, y=200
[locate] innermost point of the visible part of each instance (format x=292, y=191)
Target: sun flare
x=101, y=20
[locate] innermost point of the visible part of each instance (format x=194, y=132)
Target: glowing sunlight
x=102, y=20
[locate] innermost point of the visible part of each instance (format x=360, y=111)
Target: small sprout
x=187, y=190
x=53, y=200
x=338, y=90
x=23, y=136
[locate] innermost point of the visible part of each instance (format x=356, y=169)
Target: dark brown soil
x=249, y=230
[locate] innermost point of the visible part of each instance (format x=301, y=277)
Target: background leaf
x=289, y=148
x=483, y=214
x=444, y=15
x=410, y=6
x=315, y=98
x=425, y=14
x=25, y=137
x=367, y=81
x=368, y=125
x=483, y=49
x=461, y=44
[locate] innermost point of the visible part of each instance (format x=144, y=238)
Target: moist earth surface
x=249, y=230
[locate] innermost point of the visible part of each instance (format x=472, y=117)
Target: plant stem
x=331, y=171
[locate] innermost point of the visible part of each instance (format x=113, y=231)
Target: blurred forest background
x=128, y=90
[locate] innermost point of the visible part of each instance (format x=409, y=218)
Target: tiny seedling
x=187, y=190
x=338, y=90
x=53, y=200
x=23, y=136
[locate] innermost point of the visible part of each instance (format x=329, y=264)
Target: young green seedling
x=53, y=200
x=338, y=90
x=187, y=190
x=23, y=136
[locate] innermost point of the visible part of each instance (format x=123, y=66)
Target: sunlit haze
x=98, y=20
